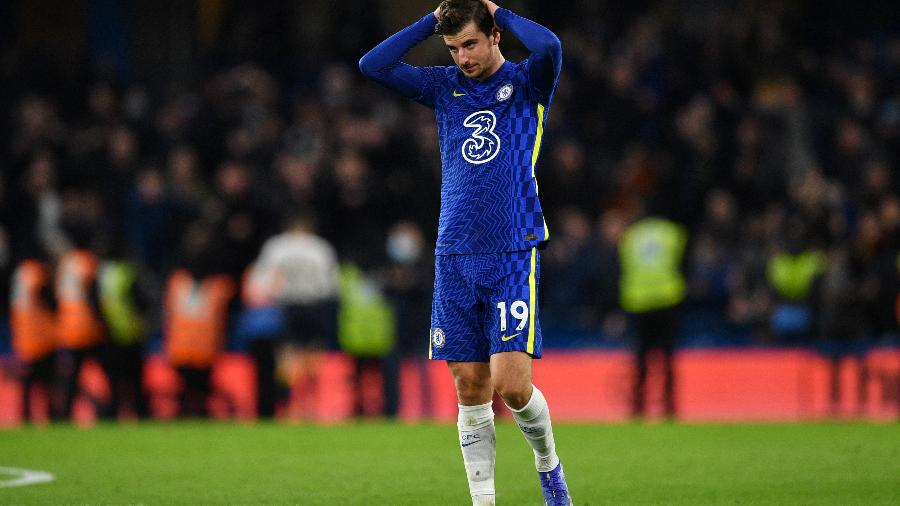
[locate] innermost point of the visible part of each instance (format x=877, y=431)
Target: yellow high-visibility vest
x=366, y=326
x=123, y=319
x=792, y=276
x=650, y=253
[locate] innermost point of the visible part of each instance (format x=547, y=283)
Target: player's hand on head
x=437, y=12
x=491, y=6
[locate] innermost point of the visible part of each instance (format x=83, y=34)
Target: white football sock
x=534, y=422
x=478, y=442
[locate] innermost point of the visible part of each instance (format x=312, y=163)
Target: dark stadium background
x=764, y=127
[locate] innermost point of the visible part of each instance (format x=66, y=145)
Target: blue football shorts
x=485, y=304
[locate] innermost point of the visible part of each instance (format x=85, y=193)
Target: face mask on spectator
x=404, y=247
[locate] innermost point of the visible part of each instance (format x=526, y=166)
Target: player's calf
x=534, y=421
x=477, y=440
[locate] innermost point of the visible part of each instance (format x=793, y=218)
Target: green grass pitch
x=375, y=463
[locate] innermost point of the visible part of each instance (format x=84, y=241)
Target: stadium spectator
x=301, y=273
x=150, y=217
x=6, y=250
x=242, y=220
x=262, y=324
x=710, y=263
x=355, y=220
x=118, y=168
x=366, y=332
x=572, y=185
x=298, y=182
x=125, y=304
x=570, y=277
x=81, y=328
x=37, y=127
x=841, y=324
x=34, y=331
x=610, y=318
x=196, y=313
x=652, y=289
x=793, y=272
x=408, y=284
x=36, y=198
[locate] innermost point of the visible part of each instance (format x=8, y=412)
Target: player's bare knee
x=513, y=392
x=472, y=390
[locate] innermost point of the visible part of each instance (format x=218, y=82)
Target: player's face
x=475, y=53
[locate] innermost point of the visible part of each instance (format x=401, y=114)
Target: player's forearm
x=544, y=45
x=383, y=62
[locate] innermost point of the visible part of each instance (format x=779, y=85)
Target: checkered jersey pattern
x=488, y=131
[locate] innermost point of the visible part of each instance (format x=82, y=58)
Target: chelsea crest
x=437, y=338
x=504, y=92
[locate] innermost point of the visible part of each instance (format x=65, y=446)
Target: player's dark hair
x=455, y=14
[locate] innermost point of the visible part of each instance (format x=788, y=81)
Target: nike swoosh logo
x=507, y=338
x=470, y=444
x=457, y=94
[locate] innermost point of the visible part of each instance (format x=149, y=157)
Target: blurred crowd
x=770, y=130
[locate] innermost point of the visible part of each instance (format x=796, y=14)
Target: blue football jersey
x=490, y=136
x=489, y=133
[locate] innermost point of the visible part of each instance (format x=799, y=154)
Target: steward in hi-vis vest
x=123, y=306
x=651, y=252
x=33, y=327
x=652, y=288
x=31, y=314
x=195, y=325
x=196, y=318
x=120, y=309
x=794, y=275
x=80, y=326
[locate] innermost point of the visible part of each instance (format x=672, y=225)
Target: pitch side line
x=23, y=477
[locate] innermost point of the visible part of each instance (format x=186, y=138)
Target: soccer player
x=490, y=114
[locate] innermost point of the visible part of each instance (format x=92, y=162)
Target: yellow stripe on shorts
x=532, y=289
